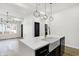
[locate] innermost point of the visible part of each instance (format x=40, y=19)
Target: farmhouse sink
x=53, y=42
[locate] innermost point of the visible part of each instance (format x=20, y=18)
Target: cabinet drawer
x=42, y=51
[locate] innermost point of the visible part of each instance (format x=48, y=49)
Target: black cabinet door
x=62, y=46
x=42, y=51
x=57, y=51
x=52, y=53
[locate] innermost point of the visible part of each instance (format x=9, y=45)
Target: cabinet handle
x=43, y=51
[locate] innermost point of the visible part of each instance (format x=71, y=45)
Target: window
x=8, y=28
x=13, y=28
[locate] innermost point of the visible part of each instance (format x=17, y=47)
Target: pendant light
x=36, y=13
x=45, y=16
x=51, y=17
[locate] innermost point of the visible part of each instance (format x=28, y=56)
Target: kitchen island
x=50, y=46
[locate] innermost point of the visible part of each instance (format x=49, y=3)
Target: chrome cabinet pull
x=43, y=51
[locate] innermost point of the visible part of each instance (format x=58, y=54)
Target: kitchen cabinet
x=42, y=51
x=62, y=45
x=57, y=51
x=52, y=53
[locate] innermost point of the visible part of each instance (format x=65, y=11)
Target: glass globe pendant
x=36, y=13
x=45, y=16
x=51, y=17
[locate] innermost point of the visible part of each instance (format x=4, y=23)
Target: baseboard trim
x=72, y=46
x=71, y=51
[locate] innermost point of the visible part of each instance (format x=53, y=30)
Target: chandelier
x=8, y=18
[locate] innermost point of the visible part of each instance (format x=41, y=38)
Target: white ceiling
x=26, y=9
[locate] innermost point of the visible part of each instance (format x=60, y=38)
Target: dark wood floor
x=71, y=51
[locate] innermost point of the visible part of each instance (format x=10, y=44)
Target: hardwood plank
x=69, y=51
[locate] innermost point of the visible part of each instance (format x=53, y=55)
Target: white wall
x=66, y=23
x=28, y=27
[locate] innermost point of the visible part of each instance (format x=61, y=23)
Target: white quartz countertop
x=53, y=38
x=38, y=43
x=35, y=43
